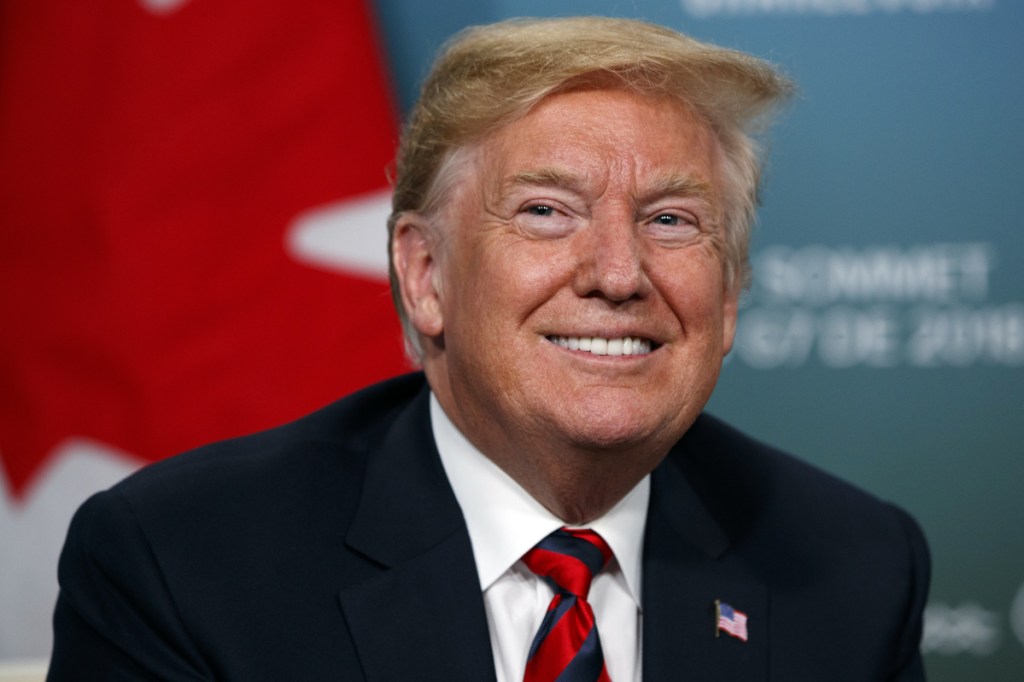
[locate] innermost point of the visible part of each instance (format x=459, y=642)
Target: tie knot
x=570, y=559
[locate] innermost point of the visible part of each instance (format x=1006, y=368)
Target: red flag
x=155, y=156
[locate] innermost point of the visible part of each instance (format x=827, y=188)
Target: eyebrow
x=674, y=185
x=545, y=177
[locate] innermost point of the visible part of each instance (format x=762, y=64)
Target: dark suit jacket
x=333, y=549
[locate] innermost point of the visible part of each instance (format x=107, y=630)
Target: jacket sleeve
x=115, y=617
x=910, y=667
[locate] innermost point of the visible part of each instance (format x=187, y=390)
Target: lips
x=597, y=345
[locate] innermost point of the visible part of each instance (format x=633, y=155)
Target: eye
x=674, y=227
x=545, y=220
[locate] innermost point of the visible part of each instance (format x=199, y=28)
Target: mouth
x=598, y=345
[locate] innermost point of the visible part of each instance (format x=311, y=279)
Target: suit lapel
x=422, y=618
x=687, y=566
x=423, y=613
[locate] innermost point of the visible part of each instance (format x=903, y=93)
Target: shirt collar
x=504, y=521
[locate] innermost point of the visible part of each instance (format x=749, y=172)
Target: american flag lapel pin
x=730, y=621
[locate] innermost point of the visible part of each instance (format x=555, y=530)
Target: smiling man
x=546, y=500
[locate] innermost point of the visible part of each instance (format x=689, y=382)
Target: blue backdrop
x=884, y=336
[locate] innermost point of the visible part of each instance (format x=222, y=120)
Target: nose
x=611, y=261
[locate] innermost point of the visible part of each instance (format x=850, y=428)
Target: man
x=572, y=208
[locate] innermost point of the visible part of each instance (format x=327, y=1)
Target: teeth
x=597, y=345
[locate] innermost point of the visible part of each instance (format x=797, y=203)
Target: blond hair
x=487, y=77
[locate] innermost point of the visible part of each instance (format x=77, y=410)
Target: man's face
x=580, y=292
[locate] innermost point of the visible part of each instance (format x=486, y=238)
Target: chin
x=621, y=434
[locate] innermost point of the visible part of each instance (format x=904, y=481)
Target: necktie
x=567, y=648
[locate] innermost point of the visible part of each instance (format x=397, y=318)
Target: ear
x=413, y=252
x=730, y=311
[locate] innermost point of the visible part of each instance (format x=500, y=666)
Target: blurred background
x=192, y=246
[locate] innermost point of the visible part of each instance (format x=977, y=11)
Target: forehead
x=605, y=136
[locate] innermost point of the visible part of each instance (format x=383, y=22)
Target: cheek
x=693, y=289
x=509, y=280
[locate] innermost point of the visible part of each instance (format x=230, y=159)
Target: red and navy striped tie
x=567, y=648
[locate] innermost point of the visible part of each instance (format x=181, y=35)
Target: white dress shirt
x=504, y=522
